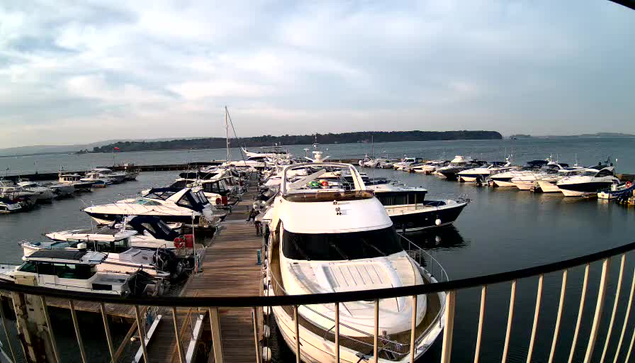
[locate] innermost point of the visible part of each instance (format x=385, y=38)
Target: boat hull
x=583, y=189
x=424, y=218
x=548, y=187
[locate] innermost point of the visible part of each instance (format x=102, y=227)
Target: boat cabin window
x=62, y=270
x=184, y=202
x=179, y=184
x=401, y=198
x=605, y=172
x=217, y=187
x=340, y=246
x=147, y=202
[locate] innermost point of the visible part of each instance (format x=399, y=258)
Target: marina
x=231, y=256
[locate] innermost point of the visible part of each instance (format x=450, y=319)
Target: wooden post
x=32, y=328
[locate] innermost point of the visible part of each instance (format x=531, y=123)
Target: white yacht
x=61, y=190
x=78, y=271
x=171, y=206
x=456, y=165
x=75, y=180
x=347, y=244
x=44, y=194
x=8, y=205
x=504, y=179
x=588, y=183
x=484, y=172
x=405, y=163
x=15, y=193
x=429, y=167
x=547, y=183
x=96, y=179
x=115, y=177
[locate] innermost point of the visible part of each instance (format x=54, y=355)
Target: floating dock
x=229, y=268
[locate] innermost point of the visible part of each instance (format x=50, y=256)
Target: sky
x=73, y=72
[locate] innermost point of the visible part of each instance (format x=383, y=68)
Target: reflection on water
x=437, y=238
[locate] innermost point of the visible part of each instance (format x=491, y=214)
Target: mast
x=229, y=155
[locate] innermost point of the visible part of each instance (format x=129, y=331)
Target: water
x=587, y=150
x=500, y=230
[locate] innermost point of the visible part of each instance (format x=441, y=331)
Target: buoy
x=266, y=354
x=437, y=222
x=266, y=331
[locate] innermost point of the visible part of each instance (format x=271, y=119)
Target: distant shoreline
x=289, y=140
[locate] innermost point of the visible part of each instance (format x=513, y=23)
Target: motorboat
x=15, y=193
x=142, y=232
x=43, y=194
x=78, y=271
x=348, y=244
x=115, y=177
x=272, y=152
x=428, y=167
x=170, y=205
x=504, y=179
x=589, y=182
x=96, y=179
x=483, y=173
x=75, y=180
x=617, y=191
x=456, y=165
x=405, y=163
x=410, y=211
x=8, y=205
x=547, y=183
x=130, y=172
x=120, y=257
x=61, y=190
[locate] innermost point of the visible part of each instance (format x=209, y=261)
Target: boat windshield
x=340, y=246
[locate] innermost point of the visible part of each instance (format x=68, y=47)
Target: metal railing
x=616, y=334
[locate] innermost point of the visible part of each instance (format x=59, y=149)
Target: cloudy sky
x=83, y=71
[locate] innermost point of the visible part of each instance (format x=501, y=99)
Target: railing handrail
x=257, y=301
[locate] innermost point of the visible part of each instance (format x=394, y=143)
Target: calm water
x=588, y=151
x=500, y=230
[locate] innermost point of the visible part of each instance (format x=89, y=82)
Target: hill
x=268, y=140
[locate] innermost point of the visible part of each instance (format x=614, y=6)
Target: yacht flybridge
x=329, y=236
x=172, y=206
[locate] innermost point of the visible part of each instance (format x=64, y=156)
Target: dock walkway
x=229, y=268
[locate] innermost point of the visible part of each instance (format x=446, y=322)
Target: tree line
x=269, y=140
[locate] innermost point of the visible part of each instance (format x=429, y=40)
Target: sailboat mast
x=229, y=156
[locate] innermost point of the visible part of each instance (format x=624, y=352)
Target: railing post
x=626, y=316
x=536, y=315
x=413, y=329
x=214, y=321
x=337, y=332
x=177, y=336
x=142, y=337
x=599, y=306
x=481, y=319
x=556, y=329
x=376, y=333
x=585, y=284
x=32, y=327
x=6, y=331
x=446, y=350
x=256, y=343
x=615, y=304
x=77, y=332
x=296, y=320
x=104, y=318
x=510, y=319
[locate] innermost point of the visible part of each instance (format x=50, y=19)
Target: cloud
x=323, y=66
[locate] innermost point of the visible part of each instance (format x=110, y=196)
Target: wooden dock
x=229, y=268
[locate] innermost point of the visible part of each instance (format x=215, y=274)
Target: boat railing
x=606, y=334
